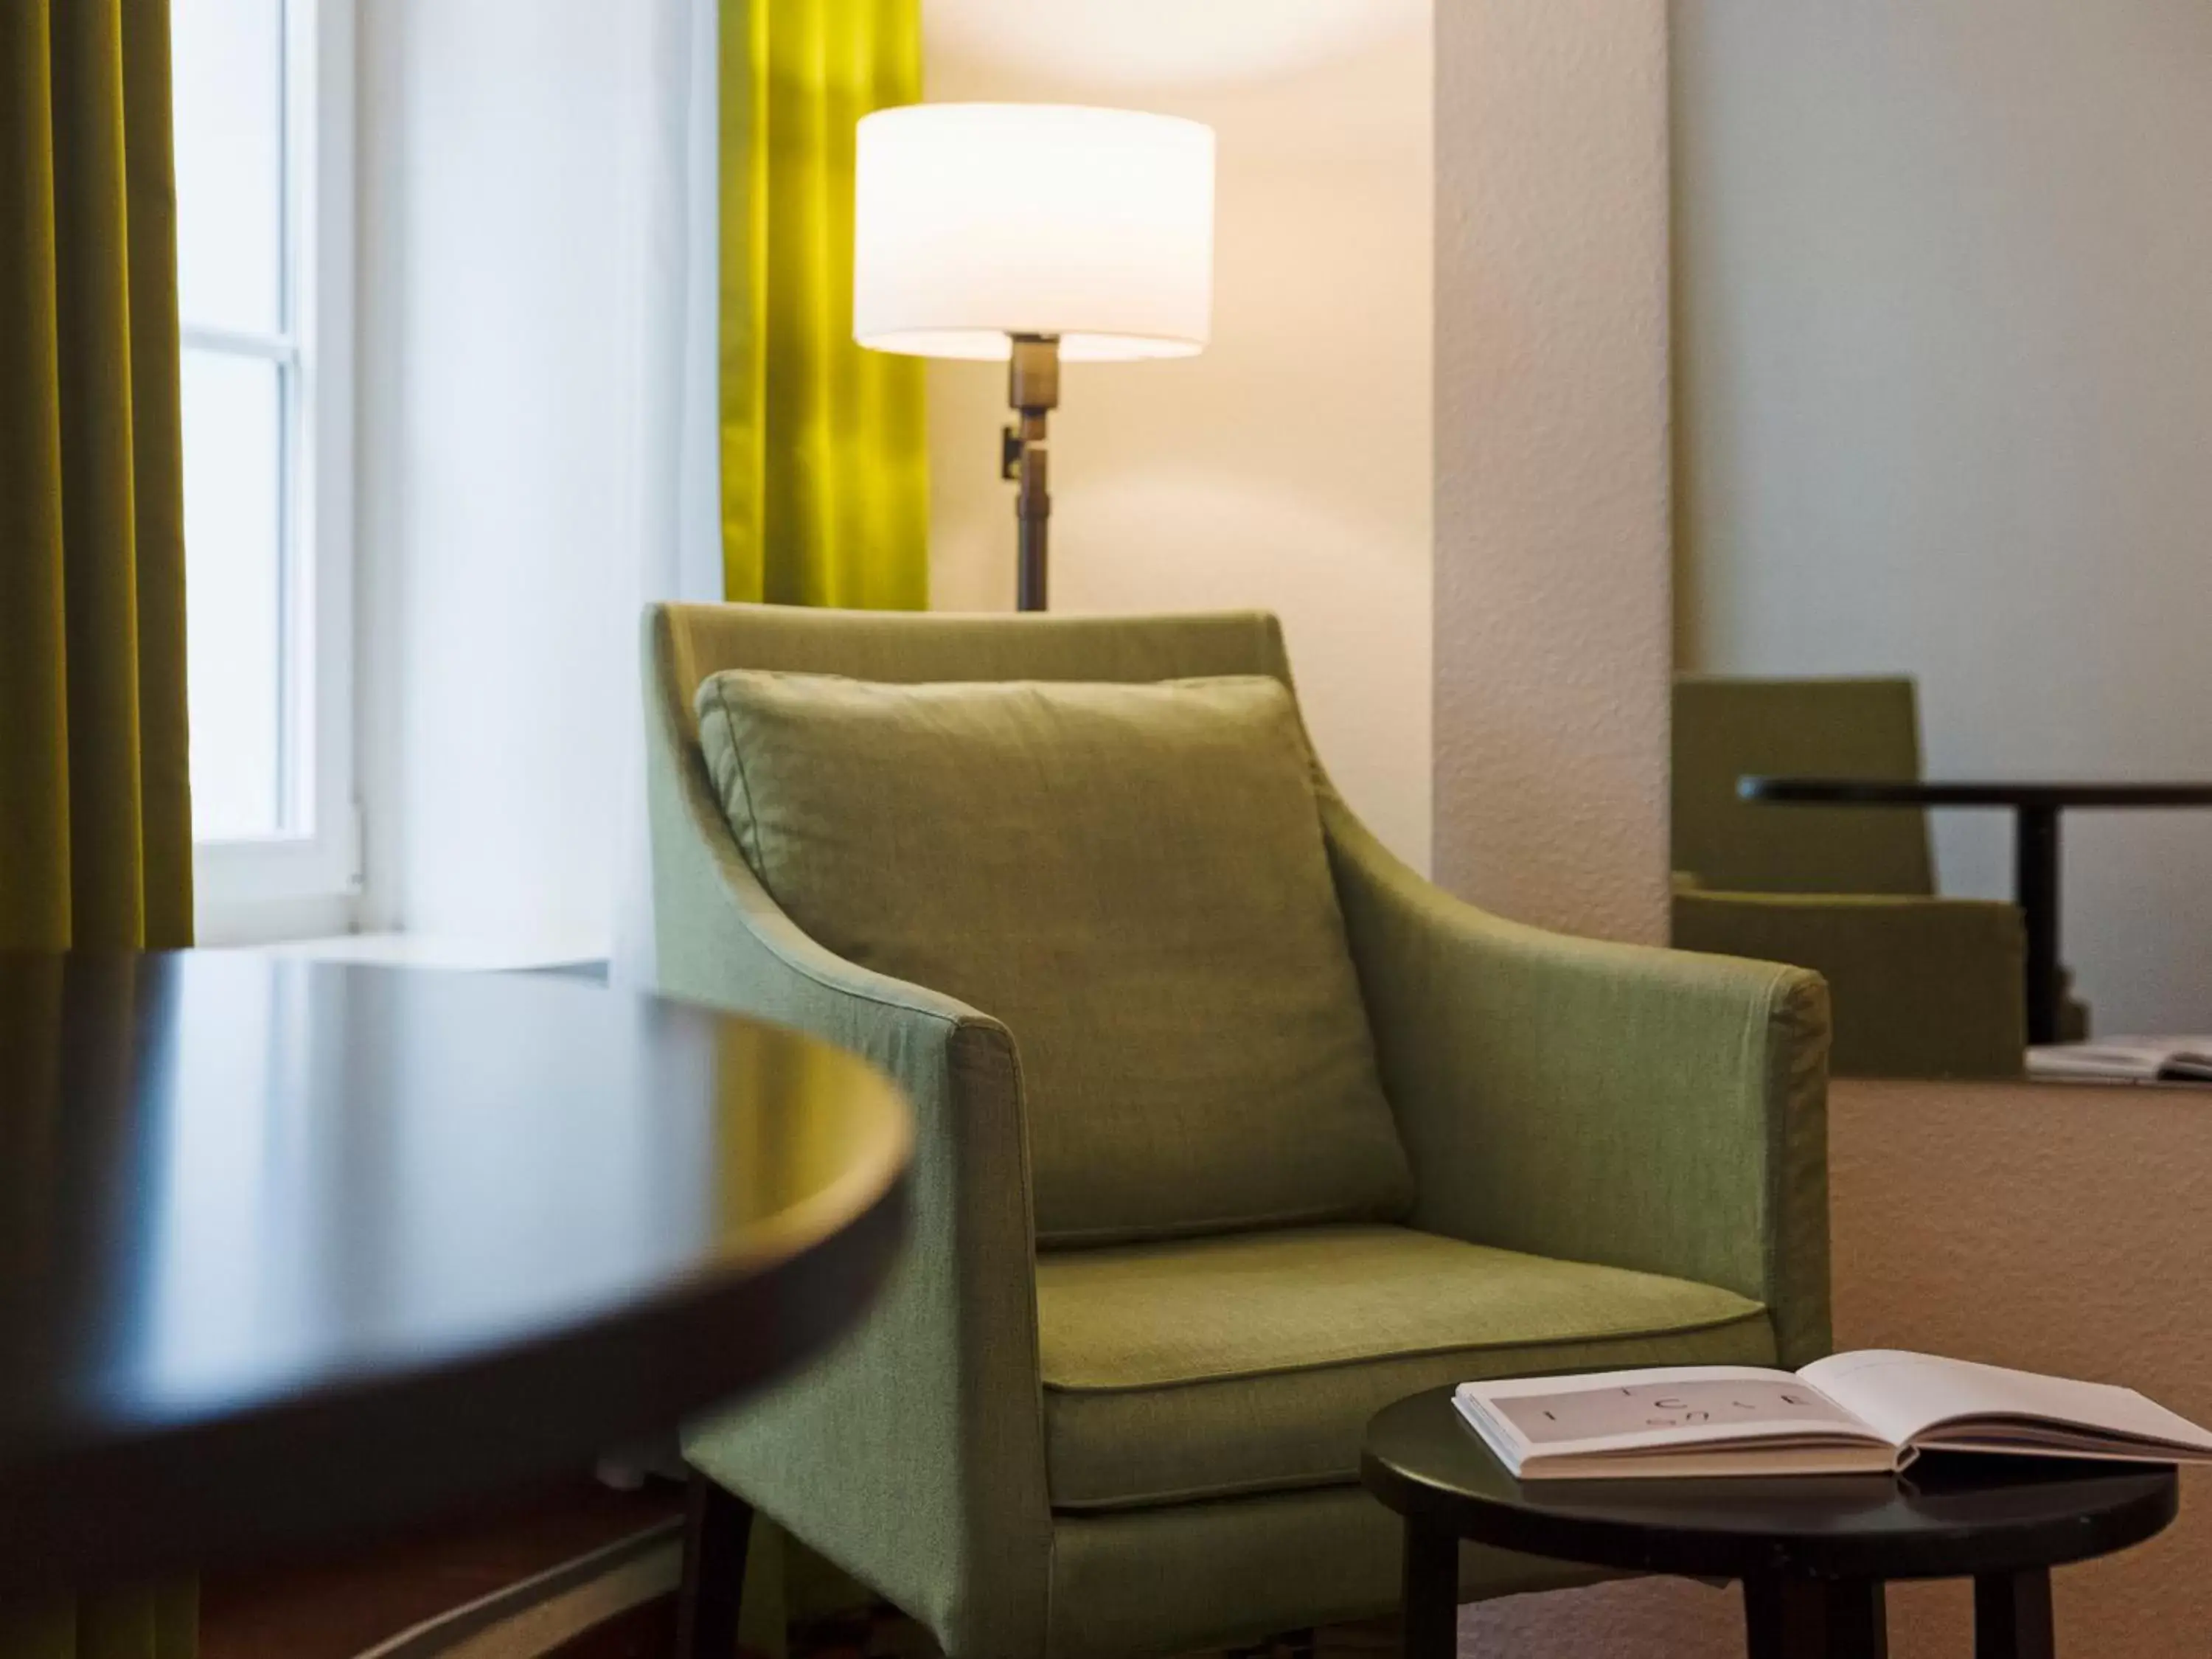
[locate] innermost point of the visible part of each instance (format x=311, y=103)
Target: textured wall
x=1553, y=603
x=1551, y=481
x=1287, y=467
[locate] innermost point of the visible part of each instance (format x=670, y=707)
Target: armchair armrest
x=1922, y=986
x=913, y=1455
x=1605, y=1102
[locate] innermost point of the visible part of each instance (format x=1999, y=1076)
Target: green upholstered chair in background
x=1922, y=986
x=1581, y=1155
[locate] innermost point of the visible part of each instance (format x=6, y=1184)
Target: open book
x=2125, y=1060
x=1873, y=1411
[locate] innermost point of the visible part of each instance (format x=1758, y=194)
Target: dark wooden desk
x=290, y=1251
x=1813, y=1554
x=2035, y=808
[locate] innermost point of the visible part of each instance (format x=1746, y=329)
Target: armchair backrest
x=1728, y=728
x=1224, y=1026
x=695, y=641
x=686, y=643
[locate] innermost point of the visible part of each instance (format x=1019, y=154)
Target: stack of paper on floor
x=1851, y=1412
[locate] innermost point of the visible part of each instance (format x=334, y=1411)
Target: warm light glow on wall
x=1163, y=43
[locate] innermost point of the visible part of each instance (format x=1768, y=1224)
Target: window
x=264, y=156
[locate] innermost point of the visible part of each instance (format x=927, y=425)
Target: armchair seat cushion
x=1175, y=1372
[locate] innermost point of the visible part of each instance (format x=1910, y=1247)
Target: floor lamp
x=1033, y=234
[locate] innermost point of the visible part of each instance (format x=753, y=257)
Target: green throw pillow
x=1131, y=877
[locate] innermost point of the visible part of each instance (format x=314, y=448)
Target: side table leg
x=1785, y=1618
x=1812, y=1619
x=1431, y=1592
x=2012, y=1615
x=1858, y=1621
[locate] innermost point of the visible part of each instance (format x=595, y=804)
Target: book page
x=1674, y=1406
x=1910, y=1397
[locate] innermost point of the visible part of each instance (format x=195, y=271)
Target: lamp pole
x=1033, y=390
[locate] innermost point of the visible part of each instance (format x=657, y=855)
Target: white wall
x=1551, y=619
x=1945, y=350
x=1288, y=466
x=525, y=201
x=2029, y=1224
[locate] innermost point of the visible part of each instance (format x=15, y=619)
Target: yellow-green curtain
x=95, y=814
x=158, y=1623
x=825, y=468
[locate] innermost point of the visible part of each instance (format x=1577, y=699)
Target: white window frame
x=304, y=880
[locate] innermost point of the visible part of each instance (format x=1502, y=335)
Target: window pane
x=229, y=91
x=233, y=550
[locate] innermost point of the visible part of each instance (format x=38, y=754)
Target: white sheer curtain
x=680, y=551
x=678, y=484
x=538, y=453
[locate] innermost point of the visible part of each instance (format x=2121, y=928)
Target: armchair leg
x=716, y=1525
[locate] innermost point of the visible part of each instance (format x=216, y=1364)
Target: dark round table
x=290, y=1252
x=1813, y=1554
x=2035, y=807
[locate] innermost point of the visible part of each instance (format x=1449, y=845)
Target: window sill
x=231, y=921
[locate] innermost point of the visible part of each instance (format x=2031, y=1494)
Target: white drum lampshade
x=977, y=222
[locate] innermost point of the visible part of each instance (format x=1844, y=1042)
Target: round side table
x=1813, y=1554
x=294, y=1254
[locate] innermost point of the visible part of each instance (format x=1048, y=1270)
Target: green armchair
x=1618, y=1157
x=1923, y=986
